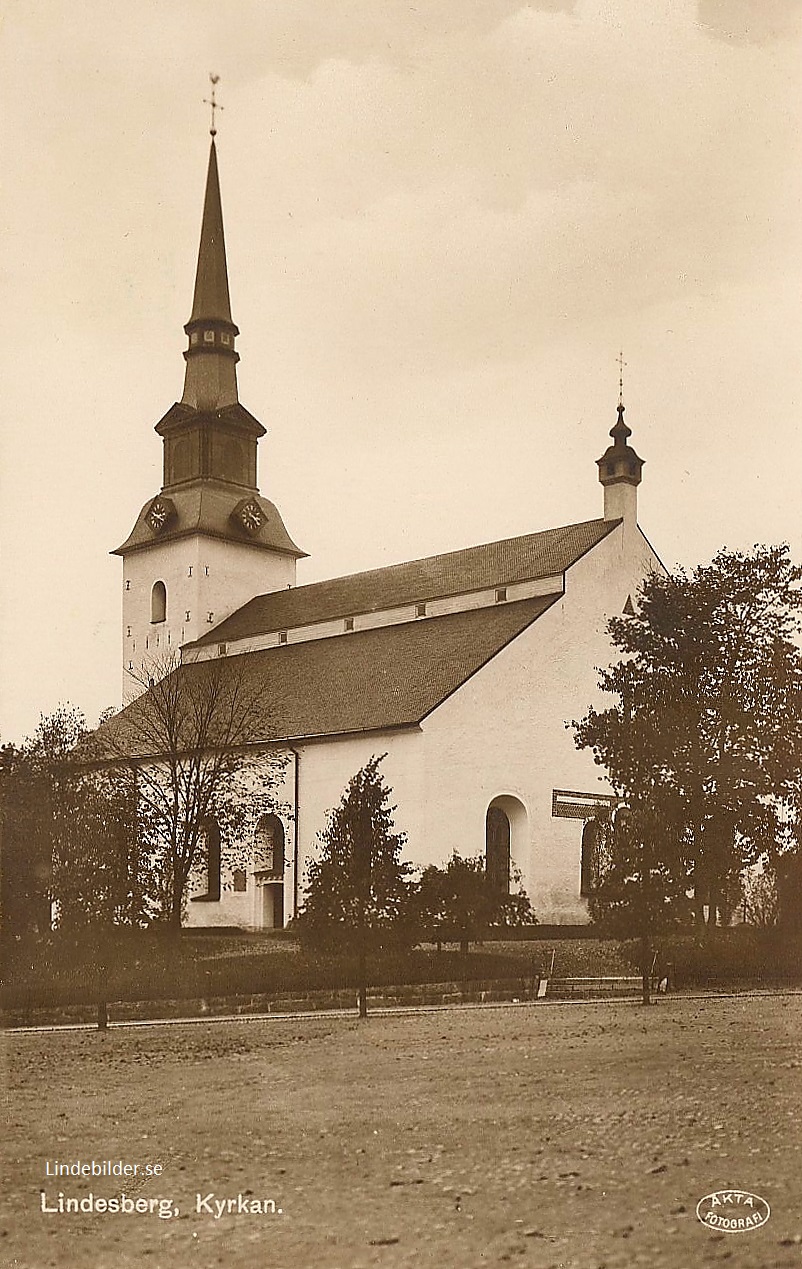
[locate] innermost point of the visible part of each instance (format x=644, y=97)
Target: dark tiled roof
x=388, y=677
x=205, y=506
x=234, y=415
x=476, y=568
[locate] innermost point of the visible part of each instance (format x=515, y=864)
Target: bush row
x=154, y=969
x=740, y=955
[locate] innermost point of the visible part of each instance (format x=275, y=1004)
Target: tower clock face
x=251, y=516
x=158, y=515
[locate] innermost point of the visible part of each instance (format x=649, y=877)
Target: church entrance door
x=271, y=910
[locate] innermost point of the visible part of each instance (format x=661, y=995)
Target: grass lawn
x=572, y=1136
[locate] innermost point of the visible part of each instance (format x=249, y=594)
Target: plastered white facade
x=206, y=579
x=321, y=770
x=255, y=907
x=500, y=738
x=503, y=734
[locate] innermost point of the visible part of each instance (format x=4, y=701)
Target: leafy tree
x=26, y=859
x=701, y=741
x=761, y=899
x=787, y=870
x=69, y=836
x=357, y=890
x=457, y=902
x=785, y=861
x=192, y=739
x=641, y=886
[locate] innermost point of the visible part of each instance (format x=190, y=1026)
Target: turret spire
x=620, y=472
x=211, y=376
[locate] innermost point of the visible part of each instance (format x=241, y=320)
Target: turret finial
x=621, y=364
x=212, y=101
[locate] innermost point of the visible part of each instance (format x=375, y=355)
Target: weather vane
x=621, y=364
x=212, y=101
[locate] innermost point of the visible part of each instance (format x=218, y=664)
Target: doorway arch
x=498, y=835
x=269, y=872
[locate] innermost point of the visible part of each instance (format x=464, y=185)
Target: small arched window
x=270, y=846
x=208, y=864
x=589, y=868
x=158, y=602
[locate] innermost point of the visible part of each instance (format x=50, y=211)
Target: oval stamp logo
x=733, y=1211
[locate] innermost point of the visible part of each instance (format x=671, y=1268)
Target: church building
x=463, y=667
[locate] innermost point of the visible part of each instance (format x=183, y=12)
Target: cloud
x=442, y=219
x=553, y=170
x=750, y=21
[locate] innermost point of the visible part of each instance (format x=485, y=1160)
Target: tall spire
x=211, y=376
x=211, y=279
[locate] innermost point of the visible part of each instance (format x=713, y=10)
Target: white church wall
x=325, y=767
x=202, y=575
x=237, y=572
x=246, y=909
x=503, y=733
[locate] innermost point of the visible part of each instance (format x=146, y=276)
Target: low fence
x=529, y=988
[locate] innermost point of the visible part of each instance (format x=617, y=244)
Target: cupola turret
x=620, y=474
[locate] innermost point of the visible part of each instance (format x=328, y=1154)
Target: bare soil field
x=577, y=1136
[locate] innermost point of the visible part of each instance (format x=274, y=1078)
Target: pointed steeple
x=211, y=377
x=211, y=279
x=620, y=473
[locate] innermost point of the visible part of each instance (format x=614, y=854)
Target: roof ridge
x=438, y=555
x=505, y=562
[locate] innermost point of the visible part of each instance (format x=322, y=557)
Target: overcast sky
x=443, y=219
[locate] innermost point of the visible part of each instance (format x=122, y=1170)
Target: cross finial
x=621, y=364
x=214, y=80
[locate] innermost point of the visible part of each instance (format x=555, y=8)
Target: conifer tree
x=357, y=889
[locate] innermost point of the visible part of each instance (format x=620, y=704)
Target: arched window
x=208, y=871
x=497, y=850
x=589, y=869
x=158, y=602
x=270, y=847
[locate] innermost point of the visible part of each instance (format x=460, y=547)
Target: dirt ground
x=539, y=1135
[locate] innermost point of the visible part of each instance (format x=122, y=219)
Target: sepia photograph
x=401, y=634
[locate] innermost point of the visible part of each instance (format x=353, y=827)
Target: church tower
x=209, y=541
